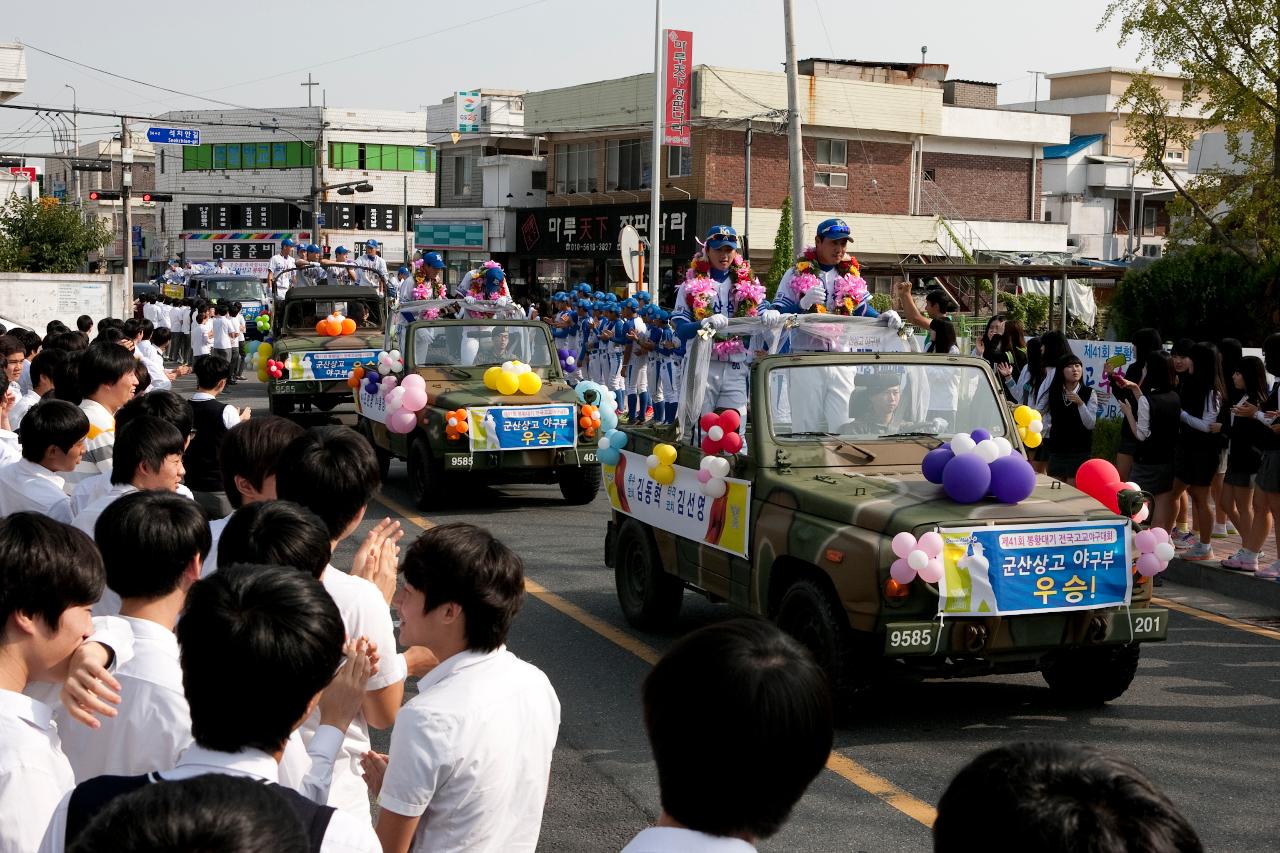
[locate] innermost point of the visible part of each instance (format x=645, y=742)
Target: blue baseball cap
x=644, y=296
x=833, y=229
x=720, y=236
x=288, y=241
x=612, y=306
x=341, y=250
x=371, y=244
x=559, y=296
x=630, y=303
x=404, y=270
x=433, y=260
x=582, y=287
x=314, y=248
x=493, y=276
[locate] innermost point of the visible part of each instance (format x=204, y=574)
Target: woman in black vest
x=1201, y=391
x=1145, y=342
x=1070, y=420
x=1154, y=421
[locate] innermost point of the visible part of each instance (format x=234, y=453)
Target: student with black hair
x=50, y=576
x=1154, y=422
x=106, y=375
x=1266, y=438
x=471, y=753
x=332, y=472
x=41, y=369
x=12, y=358
x=152, y=354
x=1145, y=342
x=131, y=334
x=762, y=688
x=257, y=644
x=1070, y=420
x=31, y=345
x=52, y=444
x=225, y=332
x=152, y=544
x=1057, y=798
x=212, y=421
x=277, y=533
x=1249, y=385
x=84, y=324
x=1201, y=391
x=944, y=382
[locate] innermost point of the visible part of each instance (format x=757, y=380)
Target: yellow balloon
x=530, y=383
x=262, y=374
x=508, y=383
x=664, y=474
x=1032, y=440
x=1023, y=415
x=491, y=377
x=265, y=350
x=666, y=454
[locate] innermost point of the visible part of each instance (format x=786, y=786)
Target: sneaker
x=1220, y=531
x=1231, y=530
x=1242, y=560
x=1199, y=551
x=1271, y=572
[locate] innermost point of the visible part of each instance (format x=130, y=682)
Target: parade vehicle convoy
x=521, y=437
x=803, y=534
x=250, y=291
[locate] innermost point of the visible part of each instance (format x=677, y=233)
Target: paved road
x=1202, y=718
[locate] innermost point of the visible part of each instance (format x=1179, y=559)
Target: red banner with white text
x=678, y=84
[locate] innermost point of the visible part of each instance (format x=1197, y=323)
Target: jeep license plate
x=911, y=638
x=458, y=460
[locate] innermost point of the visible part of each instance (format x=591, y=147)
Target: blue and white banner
x=522, y=427
x=1035, y=568
x=326, y=365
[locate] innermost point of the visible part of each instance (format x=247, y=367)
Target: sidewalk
x=1210, y=575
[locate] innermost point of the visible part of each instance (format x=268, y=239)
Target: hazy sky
x=398, y=54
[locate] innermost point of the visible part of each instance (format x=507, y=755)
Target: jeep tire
x=425, y=478
x=1091, y=677
x=810, y=612
x=579, y=484
x=650, y=598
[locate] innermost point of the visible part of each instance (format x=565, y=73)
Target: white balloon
x=603, y=443
x=917, y=559
x=652, y=462
x=1142, y=514
x=716, y=433
x=719, y=466
x=962, y=444
x=1003, y=443
x=508, y=366
x=705, y=463
x=1164, y=551
x=1132, y=486
x=1036, y=426
x=987, y=450
x=715, y=487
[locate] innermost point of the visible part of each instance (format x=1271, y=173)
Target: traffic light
x=104, y=195
x=90, y=165
x=157, y=197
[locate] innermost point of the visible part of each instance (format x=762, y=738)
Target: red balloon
x=1100, y=480
x=711, y=447
x=730, y=420
x=708, y=420
x=732, y=441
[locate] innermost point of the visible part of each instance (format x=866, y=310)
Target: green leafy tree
x=782, y=259
x=45, y=236
x=1029, y=309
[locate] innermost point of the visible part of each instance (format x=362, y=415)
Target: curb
x=1211, y=576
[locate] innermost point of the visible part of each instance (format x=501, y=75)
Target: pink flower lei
x=699, y=288
x=851, y=287
x=477, y=282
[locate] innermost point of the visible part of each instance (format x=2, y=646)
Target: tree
x=781, y=251
x=1229, y=51
x=45, y=236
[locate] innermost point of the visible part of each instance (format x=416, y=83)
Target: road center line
x=848, y=769
x=1269, y=633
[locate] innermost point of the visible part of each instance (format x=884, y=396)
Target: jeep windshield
x=232, y=289
x=880, y=401
x=462, y=344
x=301, y=315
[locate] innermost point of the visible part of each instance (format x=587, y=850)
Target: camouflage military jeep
x=802, y=534
x=508, y=438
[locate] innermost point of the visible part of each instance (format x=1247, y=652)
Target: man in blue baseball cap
x=429, y=270
x=370, y=263
x=635, y=360
x=278, y=274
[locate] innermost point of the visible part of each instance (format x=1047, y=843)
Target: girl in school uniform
x=1069, y=421
x=1248, y=385
x=1154, y=421
x=1201, y=392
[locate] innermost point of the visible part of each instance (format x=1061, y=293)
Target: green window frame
x=188, y=158
x=249, y=155
x=373, y=157
x=279, y=159
x=233, y=156
x=204, y=157
x=292, y=155
x=264, y=155
x=219, y=156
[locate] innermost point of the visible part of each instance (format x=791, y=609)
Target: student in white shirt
x=43, y=367
x=258, y=644
x=277, y=269
x=471, y=754
x=152, y=545
x=13, y=356
x=201, y=330
x=761, y=687
x=52, y=444
x=237, y=344
x=50, y=576
x=223, y=329
x=161, y=377
x=107, y=375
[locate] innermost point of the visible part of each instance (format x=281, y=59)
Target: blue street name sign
x=173, y=135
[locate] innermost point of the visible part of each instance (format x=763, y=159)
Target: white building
x=256, y=174
x=13, y=71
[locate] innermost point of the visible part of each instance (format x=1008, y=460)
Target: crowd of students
x=183, y=665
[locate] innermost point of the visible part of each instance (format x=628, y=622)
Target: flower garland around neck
x=422, y=286
x=850, y=289
x=700, y=288
x=477, y=282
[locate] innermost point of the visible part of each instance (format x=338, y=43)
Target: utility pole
x=746, y=206
x=659, y=121
x=308, y=84
x=75, y=132
x=794, y=133
x=126, y=192
x=316, y=211
x=1036, y=75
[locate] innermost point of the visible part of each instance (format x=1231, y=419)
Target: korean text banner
x=1035, y=568
x=677, y=84
x=521, y=427
x=325, y=365
x=681, y=508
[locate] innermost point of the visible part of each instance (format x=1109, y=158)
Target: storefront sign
x=244, y=251
x=468, y=111
x=593, y=231
x=676, y=82
x=451, y=234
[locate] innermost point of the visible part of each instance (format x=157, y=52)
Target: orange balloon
x=359, y=371
x=335, y=327
x=348, y=326
x=353, y=382
x=322, y=328
x=450, y=433
x=584, y=422
x=590, y=433
x=462, y=427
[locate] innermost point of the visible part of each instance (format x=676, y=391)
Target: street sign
x=319, y=220
x=173, y=135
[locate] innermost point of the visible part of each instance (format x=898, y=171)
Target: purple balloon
x=934, y=462
x=1012, y=478
x=966, y=478
x=979, y=435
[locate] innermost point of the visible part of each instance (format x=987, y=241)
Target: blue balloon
x=1012, y=479
x=966, y=478
x=934, y=462
x=617, y=439
x=979, y=435
x=608, y=456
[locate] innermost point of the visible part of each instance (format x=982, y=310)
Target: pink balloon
x=901, y=572
x=704, y=476
x=1145, y=542
x=903, y=544
x=931, y=544
x=415, y=399
x=1160, y=533
x=1149, y=565
x=395, y=399
x=932, y=572
x=388, y=382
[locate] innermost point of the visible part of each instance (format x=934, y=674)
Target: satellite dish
x=629, y=248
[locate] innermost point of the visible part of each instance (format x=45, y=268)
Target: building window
x=1149, y=221
x=576, y=168
x=832, y=152
x=1173, y=155
x=830, y=179
x=1048, y=216
x=931, y=176
x=1151, y=250
x=462, y=175
x=538, y=180
x=679, y=161
x=627, y=166
x=366, y=156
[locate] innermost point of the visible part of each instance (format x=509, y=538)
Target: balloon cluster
x=263, y=322
x=375, y=384
x=259, y=355
x=568, y=361
x=720, y=432
x=390, y=361
x=590, y=419
x=335, y=325
x=404, y=402
x=456, y=424
x=923, y=558
x=511, y=377
x=1154, y=551
x=661, y=464
x=1100, y=480
x=602, y=401
x=1030, y=426
x=975, y=465
x=355, y=376
x=712, y=471
x=275, y=369
x=609, y=448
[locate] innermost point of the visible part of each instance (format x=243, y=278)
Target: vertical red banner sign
x=678, y=83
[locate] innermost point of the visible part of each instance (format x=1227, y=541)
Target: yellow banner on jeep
x=174, y=291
